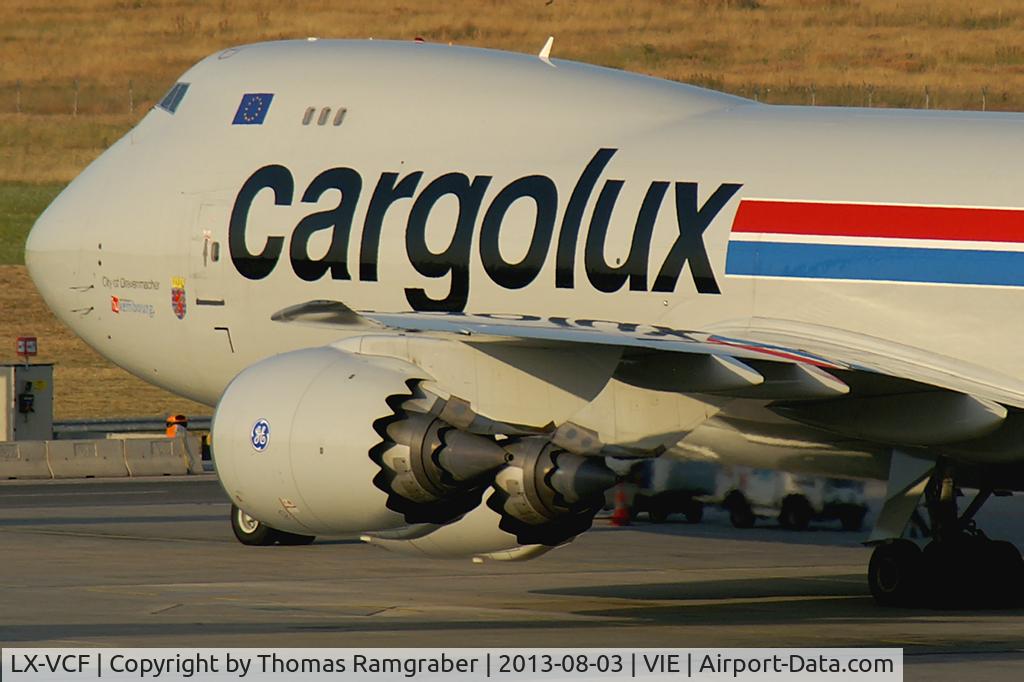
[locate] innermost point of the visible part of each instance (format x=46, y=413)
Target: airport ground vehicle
x=794, y=499
x=670, y=486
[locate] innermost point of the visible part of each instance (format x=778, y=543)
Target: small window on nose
x=340, y=116
x=308, y=116
x=325, y=113
x=173, y=97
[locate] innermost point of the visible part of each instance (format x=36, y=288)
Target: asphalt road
x=152, y=562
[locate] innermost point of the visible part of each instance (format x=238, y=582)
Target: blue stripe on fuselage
x=878, y=263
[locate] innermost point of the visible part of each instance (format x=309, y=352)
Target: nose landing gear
x=252, y=532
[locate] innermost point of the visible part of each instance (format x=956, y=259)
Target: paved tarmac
x=152, y=562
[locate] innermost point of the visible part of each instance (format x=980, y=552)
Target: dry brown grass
x=955, y=48
x=85, y=385
x=55, y=148
x=849, y=52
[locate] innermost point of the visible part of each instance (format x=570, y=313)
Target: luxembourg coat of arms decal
x=178, y=297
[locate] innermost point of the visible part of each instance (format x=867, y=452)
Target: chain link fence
x=78, y=97
x=81, y=97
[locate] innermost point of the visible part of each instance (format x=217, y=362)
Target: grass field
x=76, y=75
x=50, y=148
x=20, y=205
x=110, y=60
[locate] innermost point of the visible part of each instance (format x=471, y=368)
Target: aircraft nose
x=54, y=250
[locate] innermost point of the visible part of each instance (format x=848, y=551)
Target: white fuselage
x=478, y=162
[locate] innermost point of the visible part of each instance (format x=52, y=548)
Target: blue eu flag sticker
x=253, y=109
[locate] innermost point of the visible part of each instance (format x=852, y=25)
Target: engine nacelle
x=323, y=441
x=326, y=441
x=291, y=438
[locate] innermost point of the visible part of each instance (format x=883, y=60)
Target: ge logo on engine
x=260, y=436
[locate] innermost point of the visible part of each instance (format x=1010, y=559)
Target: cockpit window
x=173, y=97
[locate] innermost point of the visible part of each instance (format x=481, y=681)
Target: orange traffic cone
x=621, y=515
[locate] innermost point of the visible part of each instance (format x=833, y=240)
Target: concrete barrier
x=86, y=458
x=101, y=458
x=156, y=457
x=24, y=460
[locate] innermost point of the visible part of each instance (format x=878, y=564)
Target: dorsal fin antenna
x=545, y=52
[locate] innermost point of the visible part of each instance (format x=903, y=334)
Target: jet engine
x=543, y=497
x=326, y=441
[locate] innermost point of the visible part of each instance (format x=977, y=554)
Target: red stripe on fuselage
x=871, y=220
x=775, y=352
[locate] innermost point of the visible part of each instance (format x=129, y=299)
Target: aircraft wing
x=873, y=365
x=855, y=391
x=538, y=331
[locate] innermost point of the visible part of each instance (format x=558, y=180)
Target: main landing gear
x=251, y=532
x=959, y=567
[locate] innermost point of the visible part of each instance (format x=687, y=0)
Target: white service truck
x=794, y=499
